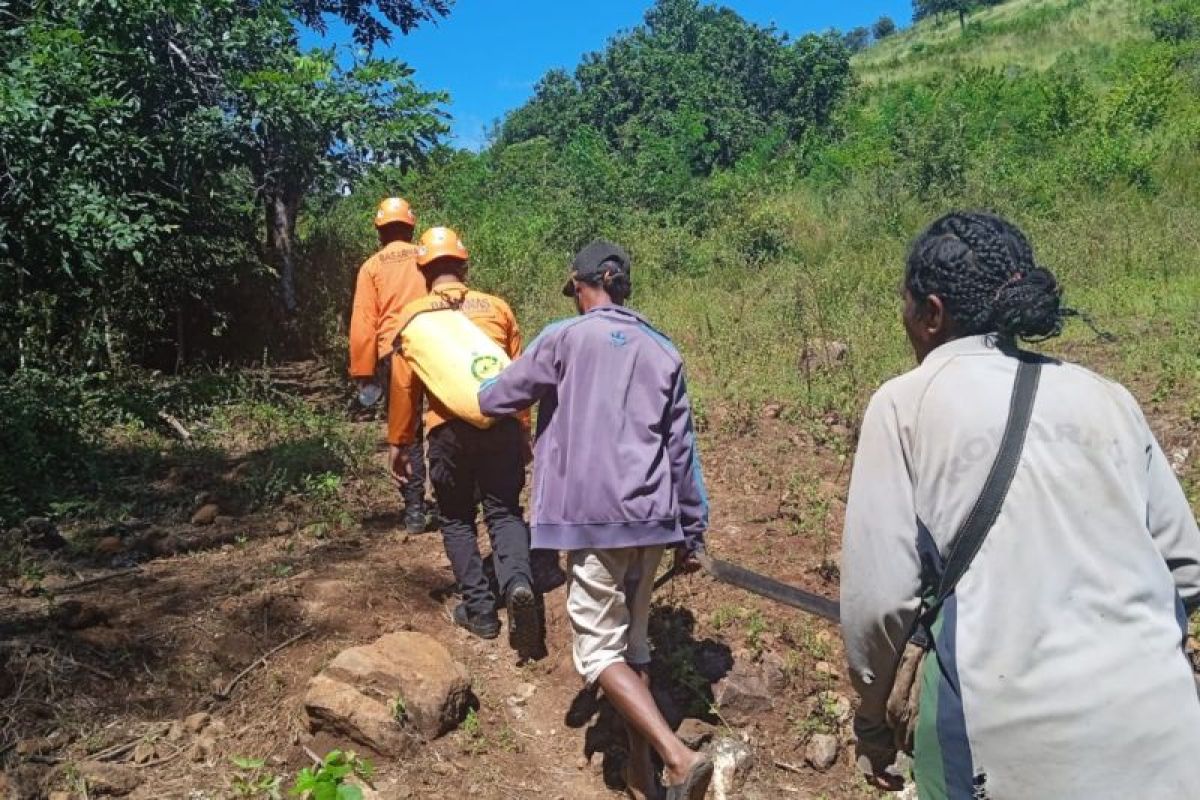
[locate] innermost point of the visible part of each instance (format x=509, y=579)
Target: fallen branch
x=89, y=668
x=175, y=425
x=316, y=759
x=77, y=585
x=159, y=762
x=260, y=661
x=121, y=749
x=786, y=767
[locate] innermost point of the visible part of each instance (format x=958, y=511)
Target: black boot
x=485, y=626
x=416, y=517
x=524, y=622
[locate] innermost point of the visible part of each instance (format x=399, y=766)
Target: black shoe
x=416, y=519
x=485, y=626
x=524, y=625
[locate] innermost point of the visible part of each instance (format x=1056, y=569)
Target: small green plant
x=328, y=780
x=254, y=781
x=475, y=741
x=399, y=710
x=756, y=626
x=725, y=615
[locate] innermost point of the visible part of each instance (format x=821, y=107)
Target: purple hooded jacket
x=615, y=459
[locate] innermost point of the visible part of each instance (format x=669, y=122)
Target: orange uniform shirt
x=491, y=314
x=387, y=282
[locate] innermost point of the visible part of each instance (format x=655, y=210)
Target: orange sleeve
x=404, y=402
x=364, y=324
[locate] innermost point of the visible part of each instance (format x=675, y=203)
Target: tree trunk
x=281, y=241
x=180, y=340
x=962, y=19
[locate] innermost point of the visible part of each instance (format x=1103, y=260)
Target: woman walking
x=1056, y=665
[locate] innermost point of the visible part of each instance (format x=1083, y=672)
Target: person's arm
x=1173, y=526
x=685, y=467
x=404, y=403
x=512, y=346
x=881, y=575
x=364, y=321
x=525, y=380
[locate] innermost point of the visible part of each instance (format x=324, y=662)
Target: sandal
x=637, y=794
x=695, y=785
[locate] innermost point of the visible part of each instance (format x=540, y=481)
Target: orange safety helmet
x=440, y=243
x=394, y=209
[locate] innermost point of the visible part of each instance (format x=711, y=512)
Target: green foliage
x=1175, y=21
x=884, y=27
x=142, y=152
x=328, y=780
x=696, y=85
x=254, y=781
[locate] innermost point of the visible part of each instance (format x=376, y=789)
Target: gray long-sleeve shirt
x=1058, y=670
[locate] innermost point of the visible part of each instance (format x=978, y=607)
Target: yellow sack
x=452, y=356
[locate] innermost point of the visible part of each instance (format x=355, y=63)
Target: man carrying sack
x=451, y=340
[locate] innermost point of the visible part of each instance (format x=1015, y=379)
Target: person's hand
x=685, y=561
x=399, y=465
x=875, y=755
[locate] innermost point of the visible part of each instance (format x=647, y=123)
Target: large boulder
x=380, y=694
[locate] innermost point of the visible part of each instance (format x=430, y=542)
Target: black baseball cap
x=594, y=260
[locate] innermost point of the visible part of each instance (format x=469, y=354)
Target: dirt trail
x=117, y=662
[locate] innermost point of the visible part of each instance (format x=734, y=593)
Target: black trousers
x=413, y=492
x=469, y=466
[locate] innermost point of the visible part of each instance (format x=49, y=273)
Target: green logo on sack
x=485, y=368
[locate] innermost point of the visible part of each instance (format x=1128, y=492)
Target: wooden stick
x=260, y=661
x=175, y=425
x=783, y=765
x=71, y=587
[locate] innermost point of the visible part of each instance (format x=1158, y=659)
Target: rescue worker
x=617, y=484
x=1057, y=669
x=387, y=282
x=466, y=463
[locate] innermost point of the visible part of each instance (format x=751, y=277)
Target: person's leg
x=638, y=588
x=500, y=475
x=416, y=519
x=598, y=605
x=454, y=490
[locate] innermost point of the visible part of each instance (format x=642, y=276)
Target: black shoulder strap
x=979, y=522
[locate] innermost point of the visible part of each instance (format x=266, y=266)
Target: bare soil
x=118, y=661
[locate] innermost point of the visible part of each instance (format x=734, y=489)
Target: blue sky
x=489, y=53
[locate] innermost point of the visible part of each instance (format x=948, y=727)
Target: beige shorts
x=609, y=606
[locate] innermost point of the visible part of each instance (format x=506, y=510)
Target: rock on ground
x=731, y=758
x=355, y=696
x=206, y=514
x=822, y=751
x=748, y=691
x=117, y=780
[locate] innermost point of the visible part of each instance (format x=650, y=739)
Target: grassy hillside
x=1022, y=34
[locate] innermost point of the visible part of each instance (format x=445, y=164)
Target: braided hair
x=982, y=267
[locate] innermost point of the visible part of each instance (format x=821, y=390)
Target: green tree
x=694, y=79
x=857, y=39
x=883, y=27
x=148, y=155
